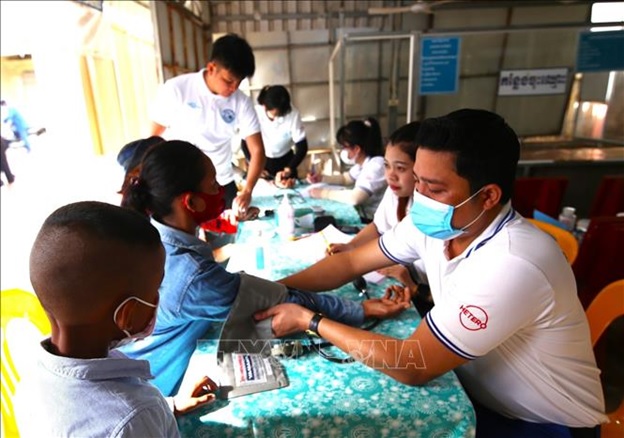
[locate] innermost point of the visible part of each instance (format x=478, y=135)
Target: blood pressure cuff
x=241, y=333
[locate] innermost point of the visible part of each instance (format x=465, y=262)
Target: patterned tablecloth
x=326, y=399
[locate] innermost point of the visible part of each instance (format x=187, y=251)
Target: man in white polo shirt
x=506, y=315
x=207, y=109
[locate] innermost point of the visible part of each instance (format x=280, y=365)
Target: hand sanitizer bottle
x=286, y=219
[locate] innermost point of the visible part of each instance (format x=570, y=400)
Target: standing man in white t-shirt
x=506, y=313
x=207, y=109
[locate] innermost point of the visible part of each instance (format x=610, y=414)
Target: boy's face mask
x=433, y=218
x=149, y=328
x=214, y=205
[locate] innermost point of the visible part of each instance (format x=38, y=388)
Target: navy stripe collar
x=509, y=216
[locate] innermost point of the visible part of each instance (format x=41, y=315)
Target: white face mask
x=344, y=157
x=149, y=328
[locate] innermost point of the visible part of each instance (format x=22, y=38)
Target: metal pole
x=343, y=61
x=332, y=97
x=371, y=36
x=410, y=79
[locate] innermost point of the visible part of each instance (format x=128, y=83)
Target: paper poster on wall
x=533, y=82
x=439, y=65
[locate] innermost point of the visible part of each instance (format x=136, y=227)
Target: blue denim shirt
x=197, y=292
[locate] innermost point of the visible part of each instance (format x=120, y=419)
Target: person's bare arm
x=366, y=234
x=256, y=166
x=332, y=272
x=353, y=196
x=157, y=129
x=343, y=179
x=413, y=361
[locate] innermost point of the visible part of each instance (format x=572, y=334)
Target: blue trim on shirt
x=511, y=214
x=390, y=256
x=438, y=334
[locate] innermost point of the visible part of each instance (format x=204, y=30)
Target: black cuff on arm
x=301, y=149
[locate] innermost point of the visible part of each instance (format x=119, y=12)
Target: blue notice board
x=439, y=65
x=600, y=51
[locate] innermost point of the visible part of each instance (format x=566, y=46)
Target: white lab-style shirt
x=278, y=135
x=370, y=177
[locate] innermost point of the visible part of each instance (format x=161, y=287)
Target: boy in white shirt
x=207, y=109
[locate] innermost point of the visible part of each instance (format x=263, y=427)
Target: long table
x=327, y=399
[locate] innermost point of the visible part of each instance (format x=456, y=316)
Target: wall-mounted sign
x=600, y=51
x=533, y=82
x=439, y=65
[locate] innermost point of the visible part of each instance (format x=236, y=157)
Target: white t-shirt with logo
x=370, y=177
x=277, y=134
x=509, y=304
x=191, y=112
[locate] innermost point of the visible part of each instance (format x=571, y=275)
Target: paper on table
x=374, y=277
x=311, y=249
x=264, y=188
x=305, y=191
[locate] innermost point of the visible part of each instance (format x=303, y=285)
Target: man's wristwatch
x=313, y=326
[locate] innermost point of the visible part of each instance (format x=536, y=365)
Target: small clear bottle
x=568, y=218
x=286, y=219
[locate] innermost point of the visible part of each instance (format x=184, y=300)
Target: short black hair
x=364, y=133
x=82, y=251
x=234, y=54
x=131, y=154
x=104, y=221
x=486, y=148
x=275, y=97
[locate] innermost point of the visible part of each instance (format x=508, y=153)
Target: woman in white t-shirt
x=362, y=148
x=280, y=125
x=395, y=204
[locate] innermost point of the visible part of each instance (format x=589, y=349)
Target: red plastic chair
x=609, y=198
x=537, y=193
x=600, y=259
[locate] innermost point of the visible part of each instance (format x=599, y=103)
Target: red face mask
x=214, y=206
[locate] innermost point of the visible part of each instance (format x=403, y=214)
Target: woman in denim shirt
x=177, y=188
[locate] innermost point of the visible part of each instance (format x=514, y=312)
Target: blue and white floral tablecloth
x=326, y=399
